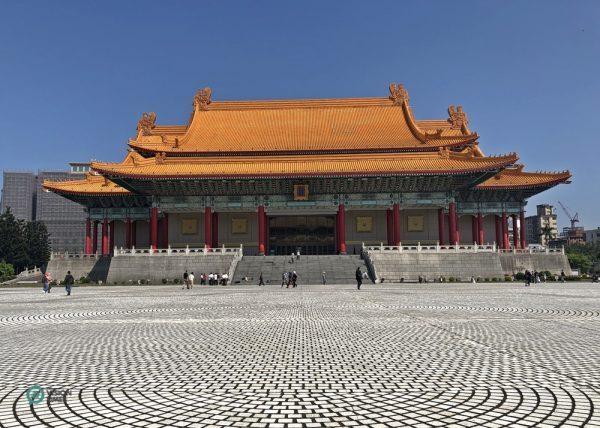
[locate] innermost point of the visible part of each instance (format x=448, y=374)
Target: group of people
x=69, y=281
x=210, y=279
x=295, y=256
x=289, y=278
x=538, y=277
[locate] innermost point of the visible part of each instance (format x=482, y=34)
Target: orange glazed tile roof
x=302, y=126
x=515, y=178
x=92, y=184
x=443, y=162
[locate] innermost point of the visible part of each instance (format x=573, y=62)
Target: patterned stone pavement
x=317, y=356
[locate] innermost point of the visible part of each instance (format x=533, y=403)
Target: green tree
x=37, y=243
x=580, y=261
x=13, y=248
x=6, y=271
x=547, y=233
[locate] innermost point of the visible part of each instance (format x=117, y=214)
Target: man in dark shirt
x=69, y=281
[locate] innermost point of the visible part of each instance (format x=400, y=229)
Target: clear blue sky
x=75, y=76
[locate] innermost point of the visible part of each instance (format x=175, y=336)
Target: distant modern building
x=592, y=236
x=534, y=225
x=64, y=219
x=18, y=193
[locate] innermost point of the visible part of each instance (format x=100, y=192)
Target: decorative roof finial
x=202, y=99
x=398, y=94
x=146, y=123
x=457, y=117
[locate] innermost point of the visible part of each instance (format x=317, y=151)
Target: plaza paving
x=398, y=355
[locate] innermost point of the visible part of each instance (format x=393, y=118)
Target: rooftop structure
x=266, y=174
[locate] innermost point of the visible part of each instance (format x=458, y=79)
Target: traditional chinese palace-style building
x=322, y=175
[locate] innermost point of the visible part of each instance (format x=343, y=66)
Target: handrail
x=459, y=248
x=186, y=251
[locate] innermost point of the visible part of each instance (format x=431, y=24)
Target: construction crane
x=572, y=218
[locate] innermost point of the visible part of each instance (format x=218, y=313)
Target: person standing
x=46, y=281
x=261, y=280
x=562, y=275
x=527, y=278
x=185, y=279
x=298, y=254
x=69, y=281
x=323, y=278
x=283, y=279
x=191, y=281
x=359, y=278
x=294, y=279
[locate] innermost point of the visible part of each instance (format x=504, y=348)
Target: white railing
x=186, y=251
x=29, y=272
x=459, y=248
x=67, y=255
x=233, y=266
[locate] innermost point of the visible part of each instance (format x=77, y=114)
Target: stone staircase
x=338, y=269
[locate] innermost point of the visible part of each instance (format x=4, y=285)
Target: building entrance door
x=311, y=234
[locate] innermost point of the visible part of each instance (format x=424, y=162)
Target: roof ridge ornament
x=444, y=152
x=146, y=123
x=202, y=99
x=457, y=118
x=161, y=157
x=398, y=94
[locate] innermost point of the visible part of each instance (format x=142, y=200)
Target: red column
x=481, y=232
x=389, y=226
x=261, y=229
x=165, y=231
x=452, y=227
x=111, y=236
x=105, y=237
x=342, y=230
x=215, y=230
x=127, y=232
x=396, y=223
x=208, y=227
x=154, y=228
x=505, y=241
x=515, y=231
x=95, y=238
x=441, y=226
x=474, y=230
x=522, y=229
x=88, y=236
x=498, y=231
x=133, y=233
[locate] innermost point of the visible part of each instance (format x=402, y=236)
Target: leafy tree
x=13, y=248
x=6, y=271
x=547, y=233
x=584, y=257
x=37, y=243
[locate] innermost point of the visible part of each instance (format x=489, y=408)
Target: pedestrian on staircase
x=359, y=278
x=260, y=280
x=298, y=254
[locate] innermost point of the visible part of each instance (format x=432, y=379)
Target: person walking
x=527, y=278
x=185, y=279
x=562, y=275
x=289, y=279
x=294, y=279
x=191, y=281
x=260, y=280
x=298, y=254
x=284, y=279
x=46, y=281
x=359, y=278
x=69, y=281
x=323, y=278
